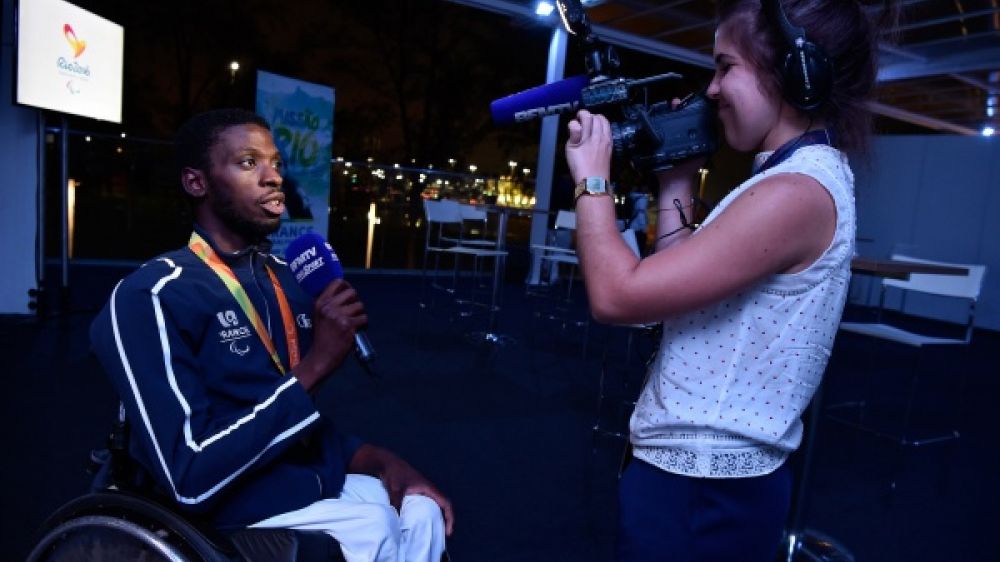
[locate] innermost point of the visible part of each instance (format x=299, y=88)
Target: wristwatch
x=594, y=185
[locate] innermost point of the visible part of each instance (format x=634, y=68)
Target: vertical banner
x=301, y=118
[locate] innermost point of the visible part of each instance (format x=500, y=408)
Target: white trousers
x=368, y=527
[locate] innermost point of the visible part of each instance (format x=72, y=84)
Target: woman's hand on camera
x=588, y=150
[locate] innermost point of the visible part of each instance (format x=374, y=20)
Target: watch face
x=592, y=186
x=596, y=185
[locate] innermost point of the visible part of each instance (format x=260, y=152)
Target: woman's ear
x=194, y=182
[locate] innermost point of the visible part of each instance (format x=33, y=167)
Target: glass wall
x=126, y=202
x=397, y=192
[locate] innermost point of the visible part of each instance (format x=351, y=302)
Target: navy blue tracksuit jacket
x=213, y=421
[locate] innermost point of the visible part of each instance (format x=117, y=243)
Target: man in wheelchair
x=214, y=350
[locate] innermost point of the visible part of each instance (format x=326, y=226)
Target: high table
x=804, y=544
x=897, y=269
x=503, y=212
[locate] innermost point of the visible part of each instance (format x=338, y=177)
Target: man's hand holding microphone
x=339, y=316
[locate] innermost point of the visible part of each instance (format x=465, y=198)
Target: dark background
x=413, y=82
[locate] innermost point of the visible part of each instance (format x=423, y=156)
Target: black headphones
x=806, y=72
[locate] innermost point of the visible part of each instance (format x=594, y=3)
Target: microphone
x=561, y=96
x=315, y=265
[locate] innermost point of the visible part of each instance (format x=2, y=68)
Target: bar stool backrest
x=633, y=244
x=438, y=214
x=476, y=219
x=472, y=213
x=566, y=219
x=445, y=210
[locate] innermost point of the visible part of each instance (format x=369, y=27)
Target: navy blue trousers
x=671, y=518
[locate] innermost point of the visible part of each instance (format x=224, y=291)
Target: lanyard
x=204, y=251
x=819, y=136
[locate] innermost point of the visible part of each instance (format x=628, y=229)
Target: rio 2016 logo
x=73, y=68
x=78, y=45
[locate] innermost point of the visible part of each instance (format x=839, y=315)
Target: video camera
x=653, y=136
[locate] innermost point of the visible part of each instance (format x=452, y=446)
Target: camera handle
x=600, y=58
x=649, y=128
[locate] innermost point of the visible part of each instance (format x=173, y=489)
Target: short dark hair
x=842, y=29
x=195, y=138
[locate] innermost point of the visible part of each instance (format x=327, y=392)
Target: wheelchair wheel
x=113, y=526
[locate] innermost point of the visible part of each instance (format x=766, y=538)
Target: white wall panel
x=933, y=197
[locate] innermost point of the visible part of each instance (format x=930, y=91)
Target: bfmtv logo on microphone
x=313, y=263
x=310, y=260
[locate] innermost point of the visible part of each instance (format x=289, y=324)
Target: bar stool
x=897, y=330
x=554, y=255
x=475, y=243
x=476, y=235
x=963, y=289
x=439, y=216
x=445, y=236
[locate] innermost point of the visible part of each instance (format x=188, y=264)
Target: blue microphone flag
x=315, y=265
x=313, y=262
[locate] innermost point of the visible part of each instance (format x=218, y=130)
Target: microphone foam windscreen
x=563, y=91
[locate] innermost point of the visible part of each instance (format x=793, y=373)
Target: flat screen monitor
x=69, y=60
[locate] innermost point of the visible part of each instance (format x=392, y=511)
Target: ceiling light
x=544, y=9
x=988, y=131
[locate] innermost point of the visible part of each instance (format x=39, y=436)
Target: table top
x=510, y=209
x=901, y=269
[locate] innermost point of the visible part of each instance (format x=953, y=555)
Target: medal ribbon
x=203, y=250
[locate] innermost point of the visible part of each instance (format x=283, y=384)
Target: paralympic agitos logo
x=73, y=67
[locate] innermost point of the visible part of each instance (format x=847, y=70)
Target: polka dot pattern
x=730, y=381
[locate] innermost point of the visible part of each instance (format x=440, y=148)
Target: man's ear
x=194, y=182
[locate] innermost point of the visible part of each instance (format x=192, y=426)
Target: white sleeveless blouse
x=724, y=394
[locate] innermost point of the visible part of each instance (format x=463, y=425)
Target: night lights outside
x=544, y=9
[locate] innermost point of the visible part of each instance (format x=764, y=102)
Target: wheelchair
x=122, y=519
